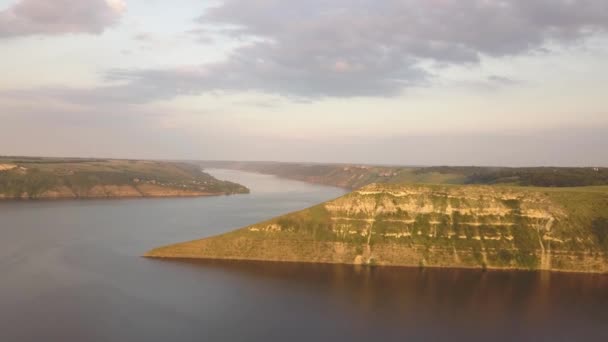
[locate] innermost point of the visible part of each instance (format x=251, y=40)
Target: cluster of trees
x=14, y=184
x=534, y=176
x=548, y=177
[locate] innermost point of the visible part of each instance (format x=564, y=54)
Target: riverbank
x=52, y=178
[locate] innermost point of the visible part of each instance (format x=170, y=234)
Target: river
x=71, y=271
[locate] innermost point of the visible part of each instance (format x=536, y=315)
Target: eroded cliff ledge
x=430, y=225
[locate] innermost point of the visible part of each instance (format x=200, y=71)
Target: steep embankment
x=430, y=225
x=47, y=178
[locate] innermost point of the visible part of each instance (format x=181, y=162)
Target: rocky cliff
x=432, y=226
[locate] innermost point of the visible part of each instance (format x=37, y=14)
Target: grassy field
x=475, y=226
x=22, y=177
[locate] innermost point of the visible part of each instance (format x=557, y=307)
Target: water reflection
x=467, y=303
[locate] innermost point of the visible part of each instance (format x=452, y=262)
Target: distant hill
x=54, y=178
x=353, y=176
x=471, y=226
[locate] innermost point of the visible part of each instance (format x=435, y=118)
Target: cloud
x=502, y=80
x=488, y=84
x=345, y=48
x=45, y=17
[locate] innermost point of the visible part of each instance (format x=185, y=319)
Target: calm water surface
x=71, y=271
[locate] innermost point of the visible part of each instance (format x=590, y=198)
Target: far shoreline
x=109, y=198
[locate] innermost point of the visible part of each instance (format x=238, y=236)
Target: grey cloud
x=450, y=30
x=488, y=84
x=366, y=47
x=45, y=17
x=502, y=80
x=344, y=48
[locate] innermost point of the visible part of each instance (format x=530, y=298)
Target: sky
x=413, y=82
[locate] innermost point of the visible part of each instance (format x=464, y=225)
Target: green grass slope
x=471, y=226
x=35, y=178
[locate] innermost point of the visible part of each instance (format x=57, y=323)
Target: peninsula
x=65, y=178
x=464, y=226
